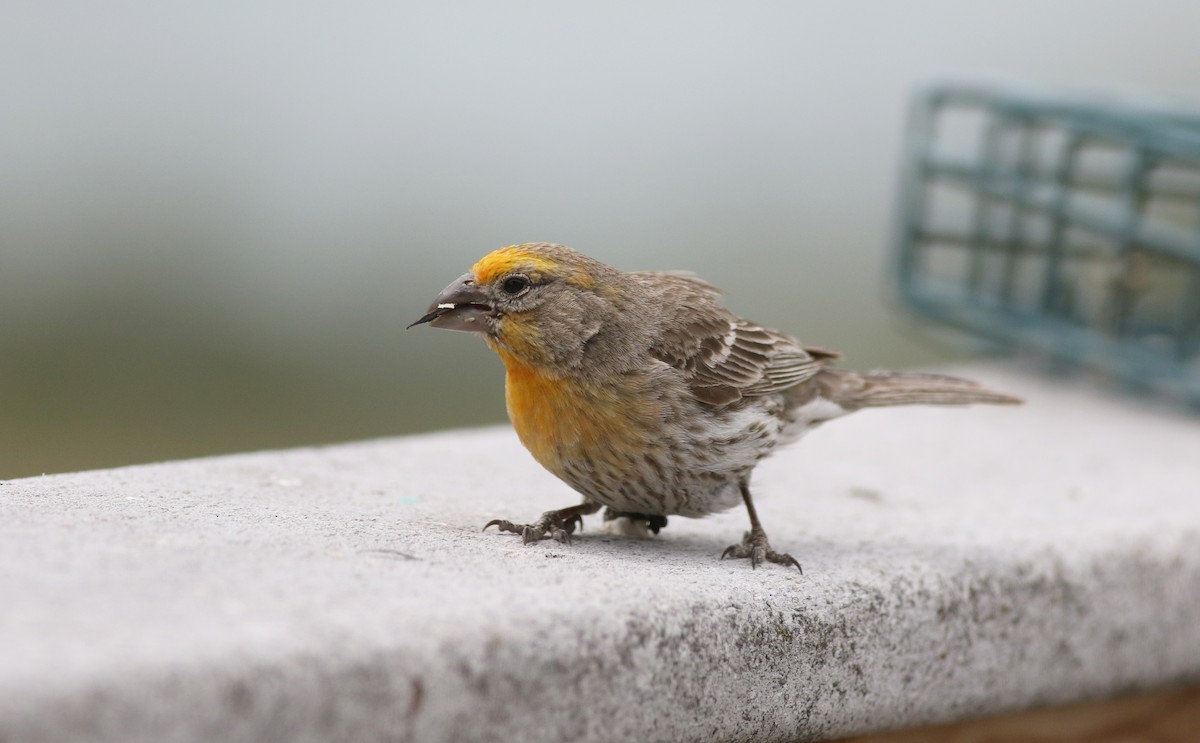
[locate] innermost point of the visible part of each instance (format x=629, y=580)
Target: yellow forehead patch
x=505, y=260
x=526, y=260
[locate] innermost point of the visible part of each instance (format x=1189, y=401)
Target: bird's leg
x=558, y=525
x=755, y=545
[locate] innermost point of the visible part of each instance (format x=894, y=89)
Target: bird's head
x=538, y=303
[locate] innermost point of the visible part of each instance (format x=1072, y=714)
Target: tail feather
x=881, y=388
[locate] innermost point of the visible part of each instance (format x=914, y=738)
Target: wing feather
x=723, y=356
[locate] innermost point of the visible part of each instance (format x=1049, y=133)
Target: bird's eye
x=515, y=285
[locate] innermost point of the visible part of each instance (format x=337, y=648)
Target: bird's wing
x=724, y=357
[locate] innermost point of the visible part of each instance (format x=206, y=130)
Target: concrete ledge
x=957, y=563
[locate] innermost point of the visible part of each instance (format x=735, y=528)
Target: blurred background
x=217, y=218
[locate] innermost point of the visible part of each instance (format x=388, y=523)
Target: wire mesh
x=1069, y=226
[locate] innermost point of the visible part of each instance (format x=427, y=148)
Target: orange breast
x=563, y=419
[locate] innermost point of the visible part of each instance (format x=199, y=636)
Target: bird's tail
x=854, y=390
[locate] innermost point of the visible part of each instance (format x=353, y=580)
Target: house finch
x=640, y=391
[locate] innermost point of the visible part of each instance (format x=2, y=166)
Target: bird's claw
x=758, y=549
x=552, y=524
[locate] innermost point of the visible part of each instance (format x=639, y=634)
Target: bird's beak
x=461, y=306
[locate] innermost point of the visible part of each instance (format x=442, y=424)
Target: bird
x=643, y=393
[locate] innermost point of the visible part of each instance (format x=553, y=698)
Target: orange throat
x=560, y=419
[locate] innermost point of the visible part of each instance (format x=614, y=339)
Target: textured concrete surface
x=957, y=562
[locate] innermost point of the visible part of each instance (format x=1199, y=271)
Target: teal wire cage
x=1067, y=226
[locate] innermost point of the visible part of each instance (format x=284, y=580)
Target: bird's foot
x=558, y=525
x=756, y=547
x=636, y=524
